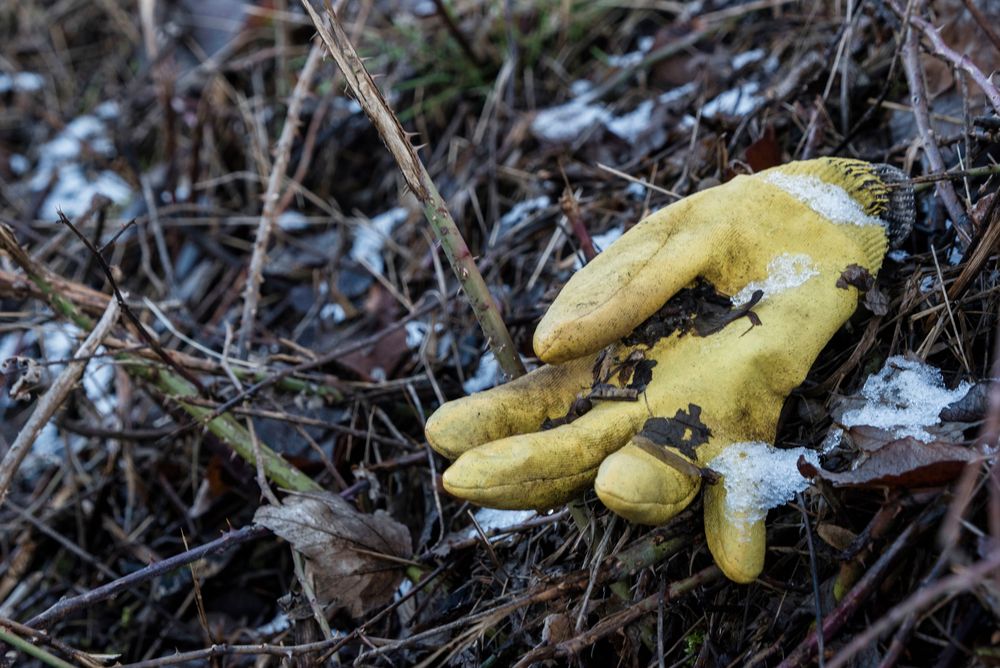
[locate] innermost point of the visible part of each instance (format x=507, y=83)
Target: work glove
x=642, y=393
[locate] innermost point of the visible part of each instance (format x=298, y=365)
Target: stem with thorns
x=420, y=183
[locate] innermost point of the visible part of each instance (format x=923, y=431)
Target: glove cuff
x=882, y=211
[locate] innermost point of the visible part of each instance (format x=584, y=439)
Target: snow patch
x=490, y=519
x=634, y=57
x=898, y=255
x=784, y=272
x=21, y=82
x=369, y=240
x=904, y=397
x=758, y=476
x=567, y=122
x=487, y=374
x=741, y=60
x=292, y=221
x=631, y=126
x=522, y=210
x=738, y=101
x=830, y=201
x=75, y=186
x=601, y=241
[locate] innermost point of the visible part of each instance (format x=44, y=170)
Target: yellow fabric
x=739, y=376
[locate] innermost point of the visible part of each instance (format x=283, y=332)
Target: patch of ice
x=369, y=240
x=927, y=285
x=76, y=186
x=904, y=397
x=21, y=82
x=107, y=110
x=741, y=60
x=520, y=211
x=738, y=101
x=490, y=519
x=291, y=221
x=568, y=122
x=784, y=272
x=898, y=255
x=632, y=125
x=830, y=201
x=758, y=476
x=487, y=374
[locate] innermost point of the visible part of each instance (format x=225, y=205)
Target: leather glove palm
x=777, y=241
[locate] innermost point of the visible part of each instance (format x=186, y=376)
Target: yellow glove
x=777, y=242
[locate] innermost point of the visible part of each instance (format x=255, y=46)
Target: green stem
x=23, y=645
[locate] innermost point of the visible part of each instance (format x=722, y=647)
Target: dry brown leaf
x=906, y=462
x=354, y=559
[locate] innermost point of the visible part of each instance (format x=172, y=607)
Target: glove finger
x=643, y=488
x=543, y=469
x=735, y=539
x=627, y=283
x=517, y=407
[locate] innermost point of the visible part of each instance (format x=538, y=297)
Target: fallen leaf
x=354, y=559
x=765, y=152
x=857, y=276
x=906, y=462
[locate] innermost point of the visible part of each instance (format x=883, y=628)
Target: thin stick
x=423, y=188
x=918, y=94
x=67, y=606
x=921, y=598
x=53, y=399
x=282, y=151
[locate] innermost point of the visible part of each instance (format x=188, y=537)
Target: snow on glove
x=642, y=390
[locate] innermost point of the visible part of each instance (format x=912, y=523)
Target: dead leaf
x=905, y=463
x=857, y=276
x=765, y=152
x=29, y=376
x=971, y=407
x=353, y=558
x=683, y=431
x=835, y=536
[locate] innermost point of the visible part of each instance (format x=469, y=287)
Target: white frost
x=75, y=186
x=784, y=272
x=758, y=476
x=291, y=221
x=632, y=125
x=830, y=201
x=487, y=374
x=741, y=60
x=21, y=82
x=520, y=211
x=567, y=122
x=370, y=239
x=905, y=397
x=736, y=102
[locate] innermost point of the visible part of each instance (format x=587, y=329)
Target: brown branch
x=918, y=95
